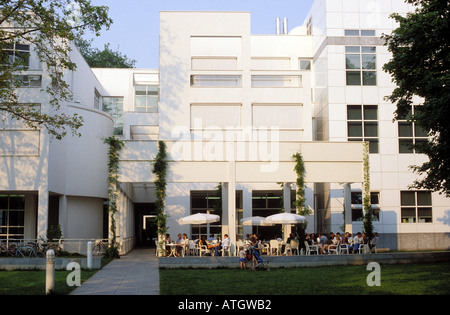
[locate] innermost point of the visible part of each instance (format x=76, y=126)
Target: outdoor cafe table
x=173, y=249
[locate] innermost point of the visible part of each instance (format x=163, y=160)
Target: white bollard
x=50, y=272
x=89, y=255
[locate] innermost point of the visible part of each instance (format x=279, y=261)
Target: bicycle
x=99, y=247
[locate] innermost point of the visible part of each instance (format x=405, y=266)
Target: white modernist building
x=232, y=108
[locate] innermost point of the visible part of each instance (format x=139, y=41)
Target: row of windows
x=362, y=125
x=227, y=81
x=222, y=63
x=416, y=206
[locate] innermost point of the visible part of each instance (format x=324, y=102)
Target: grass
x=414, y=279
x=32, y=282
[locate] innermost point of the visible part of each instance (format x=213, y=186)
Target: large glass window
x=12, y=217
x=416, y=206
x=362, y=125
x=265, y=203
x=146, y=98
x=206, y=202
x=410, y=134
x=360, y=62
x=114, y=107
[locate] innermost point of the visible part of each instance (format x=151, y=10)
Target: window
x=273, y=81
x=360, y=62
x=304, y=64
x=206, y=202
x=97, y=99
x=29, y=80
x=416, y=207
x=12, y=217
x=359, y=32
x=357, y=206
x=362, y=125
x=114, y=107
x=16, y=53
x=410, y=134
x=216, y=81
x=146, y=98
x=265, y=203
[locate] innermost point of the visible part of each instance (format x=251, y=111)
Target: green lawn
x=414, y=279
x=33, y=282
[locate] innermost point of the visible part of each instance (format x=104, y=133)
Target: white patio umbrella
x=285, y=218
x=257, y=221
x=199, y=218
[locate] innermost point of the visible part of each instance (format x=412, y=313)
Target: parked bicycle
x=99, y=247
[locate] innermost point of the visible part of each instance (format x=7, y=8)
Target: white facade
x=233, y=108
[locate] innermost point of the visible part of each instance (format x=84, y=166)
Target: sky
x=135, y=28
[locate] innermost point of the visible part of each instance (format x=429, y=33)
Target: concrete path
x=133, y=274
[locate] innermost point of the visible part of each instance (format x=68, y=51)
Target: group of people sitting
x=331, y=241
x=182, y=244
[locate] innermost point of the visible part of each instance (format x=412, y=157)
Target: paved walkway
x=133, y=274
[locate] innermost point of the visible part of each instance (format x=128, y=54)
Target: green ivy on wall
x=160, y=167
x=367, y=221
x=115, y=146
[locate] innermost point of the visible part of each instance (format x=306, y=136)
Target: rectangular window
x=416, y=206
x=359, y=32
x=114, y=107
x=273, y=81
x=206, y=202
x=216, y=81
x=97, y=99
x=357, y=206
x=146, y=98
x=304, y=64
x=29, y=80
x=12, y=217
x=410, y=134
x=362, y=125
x=17, y=54
x=360, y=62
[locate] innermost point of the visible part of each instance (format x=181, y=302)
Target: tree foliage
x=48, y=27
x=106, y=58
x=420, y=67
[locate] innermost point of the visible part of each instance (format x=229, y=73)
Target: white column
x=232, y=205
x=348, y=207
x=42, y=219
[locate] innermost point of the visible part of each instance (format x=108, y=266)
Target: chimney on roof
x=278, y=27
x=285, y=26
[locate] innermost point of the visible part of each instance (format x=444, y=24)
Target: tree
x=420, y=67
x=106, y=58
x=47, y=28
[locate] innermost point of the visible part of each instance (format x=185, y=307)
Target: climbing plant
x=367, y=221
x=160, y=167
x=299, y=202
x=115, y=146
